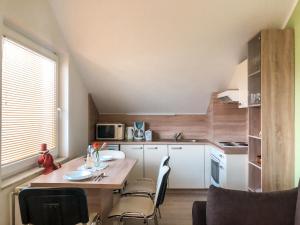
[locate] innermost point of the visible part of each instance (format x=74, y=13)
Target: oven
x=215, y=170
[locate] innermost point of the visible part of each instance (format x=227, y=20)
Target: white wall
x=78, y=119
x=35, y=19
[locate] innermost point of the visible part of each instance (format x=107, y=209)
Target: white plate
x=106, y=158
x=78, y=175
x=93, y=169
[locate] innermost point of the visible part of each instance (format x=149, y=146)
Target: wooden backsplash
x=227, y=121
x=165, y=126
x=222, y=122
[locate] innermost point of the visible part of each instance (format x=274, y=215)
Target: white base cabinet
x=187, y=166
x=190, y=165
x=153, y=155
x=135, y=152
x=236, y=172
x=233, y=170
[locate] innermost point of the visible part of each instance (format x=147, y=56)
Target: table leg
x=100, y=201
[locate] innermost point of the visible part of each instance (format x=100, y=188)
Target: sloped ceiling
x=161, y=56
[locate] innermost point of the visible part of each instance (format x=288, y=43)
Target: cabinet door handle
x=221, y=167
x=176, y=148
x=153, y=148
x=138, y=148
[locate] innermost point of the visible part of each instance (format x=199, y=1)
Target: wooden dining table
x=99, y=193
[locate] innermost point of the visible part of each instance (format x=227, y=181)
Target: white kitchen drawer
x=187, y=166
x=135, y=152
x=132, y=147
x=153, y=155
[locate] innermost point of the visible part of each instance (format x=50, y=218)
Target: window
x=29, y=102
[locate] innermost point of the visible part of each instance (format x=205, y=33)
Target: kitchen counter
x=161, y=142
x=225, y=150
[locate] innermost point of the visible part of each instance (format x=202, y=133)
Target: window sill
x=26, y=176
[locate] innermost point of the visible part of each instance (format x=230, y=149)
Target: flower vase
x=97, y=162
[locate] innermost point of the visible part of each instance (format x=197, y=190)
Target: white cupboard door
x=207, y=163
x=153, y=155
x=135, y=152
x=187, y=166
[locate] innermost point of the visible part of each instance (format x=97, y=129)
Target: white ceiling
x=161, y=56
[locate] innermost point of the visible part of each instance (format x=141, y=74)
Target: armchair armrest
x=199, y=213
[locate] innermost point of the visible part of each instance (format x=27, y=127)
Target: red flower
x=96, y=145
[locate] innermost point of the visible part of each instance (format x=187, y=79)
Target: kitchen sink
x=187, y=140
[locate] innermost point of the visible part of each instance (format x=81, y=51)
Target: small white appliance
x=129, y=133
x=148, y=135
x=110, y=131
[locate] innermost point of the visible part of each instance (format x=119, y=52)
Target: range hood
x=229, y=96
x=237, y=89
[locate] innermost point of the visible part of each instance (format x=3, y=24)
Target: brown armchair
x=230, y=207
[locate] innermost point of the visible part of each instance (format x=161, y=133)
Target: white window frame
x=13, y=168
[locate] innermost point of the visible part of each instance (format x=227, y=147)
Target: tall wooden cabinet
x=271, y=110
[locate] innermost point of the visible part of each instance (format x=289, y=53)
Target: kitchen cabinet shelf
x=254, y=73
x=254, y=178
x=257, y=165
x=254, y=105
x=271, y=100
x=254, y=137
x=254, y=190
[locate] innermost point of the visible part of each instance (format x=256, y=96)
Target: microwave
x=110, y=131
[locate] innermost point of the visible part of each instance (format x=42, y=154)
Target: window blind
x=29, y=106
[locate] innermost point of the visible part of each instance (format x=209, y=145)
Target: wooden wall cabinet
x=271, y=110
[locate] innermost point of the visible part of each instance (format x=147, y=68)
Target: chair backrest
x=66, y=206
x=115, y=154
x=161, y=185
x=164, y=161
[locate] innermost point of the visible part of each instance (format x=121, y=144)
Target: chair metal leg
x=159, y=213
x=97, y=220
x=120, y=221
x=155, y=219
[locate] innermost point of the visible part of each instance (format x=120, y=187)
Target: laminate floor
x=177, y=208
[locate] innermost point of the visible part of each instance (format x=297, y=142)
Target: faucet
x=178, y=136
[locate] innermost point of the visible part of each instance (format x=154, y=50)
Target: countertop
x=225, y=150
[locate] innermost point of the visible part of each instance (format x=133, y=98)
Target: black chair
x=66, y=206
